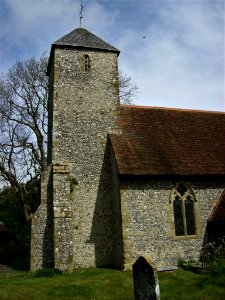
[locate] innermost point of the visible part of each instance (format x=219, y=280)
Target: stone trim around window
x=184, y=213
x=85, y=63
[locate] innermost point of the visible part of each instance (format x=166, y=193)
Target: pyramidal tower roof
x=80, y=38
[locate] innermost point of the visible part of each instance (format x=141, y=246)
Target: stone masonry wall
x=146, y=220
x=42, y=226
x=84, y=111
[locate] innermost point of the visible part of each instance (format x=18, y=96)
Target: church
x=122, y=180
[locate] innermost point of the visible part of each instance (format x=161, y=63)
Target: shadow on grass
x=18, y=262
x=192, y=268
x=48, y=272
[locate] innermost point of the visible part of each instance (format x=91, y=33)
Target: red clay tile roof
x=218, y=213
x=161, y=141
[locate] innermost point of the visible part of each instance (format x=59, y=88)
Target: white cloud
x=179, y=63
x=98, y=18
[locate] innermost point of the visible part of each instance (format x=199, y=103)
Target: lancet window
x=86, y=63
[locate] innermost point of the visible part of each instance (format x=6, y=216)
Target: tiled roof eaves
x=55, y=45
x=128, y=172
x=174, y=177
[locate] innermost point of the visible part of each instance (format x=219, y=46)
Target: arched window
x=183, y=202
x=86, y=63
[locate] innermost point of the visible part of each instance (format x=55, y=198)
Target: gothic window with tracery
x=183, y=206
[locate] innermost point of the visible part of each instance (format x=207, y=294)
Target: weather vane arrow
x=81, y=11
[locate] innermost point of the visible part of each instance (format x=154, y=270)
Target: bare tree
x=128, y=90
x=23, y=117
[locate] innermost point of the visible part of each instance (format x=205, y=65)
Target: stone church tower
x=74, y=226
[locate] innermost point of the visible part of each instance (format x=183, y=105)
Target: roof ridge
x=169, y=108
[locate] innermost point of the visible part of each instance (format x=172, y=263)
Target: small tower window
x=86, y=63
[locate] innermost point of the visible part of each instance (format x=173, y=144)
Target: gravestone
x=146, y=284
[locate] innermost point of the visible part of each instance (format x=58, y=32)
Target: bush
x=47, y=272
x=217, y=267
x=12, y=215
x=216, y=273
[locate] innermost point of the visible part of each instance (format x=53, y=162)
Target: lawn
x=105, y=284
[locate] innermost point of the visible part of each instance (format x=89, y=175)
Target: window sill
x=184, y=237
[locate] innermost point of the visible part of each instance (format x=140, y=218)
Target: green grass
x=105, y=284
x=187, y=285
x=81, y=284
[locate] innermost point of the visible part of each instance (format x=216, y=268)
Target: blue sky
x=179, y=63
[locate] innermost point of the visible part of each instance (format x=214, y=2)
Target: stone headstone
x=146, y=284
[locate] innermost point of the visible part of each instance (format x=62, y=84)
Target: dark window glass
x=86, y=63
x=181, y=189
x=189, y=215
x=178, y=216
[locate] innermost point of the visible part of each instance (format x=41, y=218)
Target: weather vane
x=81, y=10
